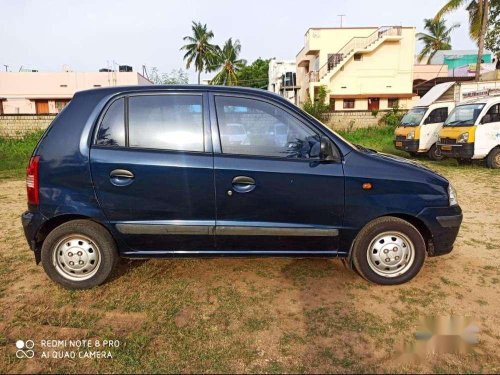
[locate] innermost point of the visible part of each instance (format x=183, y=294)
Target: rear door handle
x=121, y=177
x=243, y=184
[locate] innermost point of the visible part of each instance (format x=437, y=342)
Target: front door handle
x=121, y=177
x=243, y=184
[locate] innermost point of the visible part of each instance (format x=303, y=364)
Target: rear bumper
x=458, y=150
x=409, y=145
x=443, y=224
x=32, y=222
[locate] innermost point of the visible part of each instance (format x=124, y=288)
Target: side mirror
x=327, y=151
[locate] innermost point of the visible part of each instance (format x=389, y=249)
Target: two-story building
x=362, y=68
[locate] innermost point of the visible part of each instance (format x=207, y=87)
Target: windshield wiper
x=364, y=149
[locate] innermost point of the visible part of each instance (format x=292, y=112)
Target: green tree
x=255, y=74
x=175, y=77
x=199, y=50
x=492, y=41
x=318, y=107
x=437, y=38
x=478, y=21
x=228, y=64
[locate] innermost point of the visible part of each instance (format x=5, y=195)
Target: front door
x=373, y=104
x=155, y=181
x=273, y=194
x=42, y=107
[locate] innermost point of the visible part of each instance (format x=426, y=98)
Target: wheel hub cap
x=76, y=257
x=390, y=254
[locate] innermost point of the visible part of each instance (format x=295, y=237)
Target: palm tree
x=478, y=22
x=199, y=49
x=437, y=39
x=227, y=62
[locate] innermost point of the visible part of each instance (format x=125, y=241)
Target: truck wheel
x=435, y=153
x=389, y=251
x=79, y=254
x=493, y=159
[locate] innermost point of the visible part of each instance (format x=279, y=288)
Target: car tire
x=493, y=159
x=389, y=251
x=434, y=153
x=79, y=254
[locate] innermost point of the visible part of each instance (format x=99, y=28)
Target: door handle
x=243, y=184
x=121, y=177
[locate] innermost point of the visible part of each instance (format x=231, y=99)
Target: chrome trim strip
x=203, y=230
x=274, y=231
x=223, y=230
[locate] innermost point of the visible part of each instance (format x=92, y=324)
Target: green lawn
x=15, y=154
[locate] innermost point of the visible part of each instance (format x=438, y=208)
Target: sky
x=87, y=34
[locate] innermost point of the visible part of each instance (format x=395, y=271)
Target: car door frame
x=217, y=151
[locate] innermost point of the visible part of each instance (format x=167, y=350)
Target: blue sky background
x=85, y=34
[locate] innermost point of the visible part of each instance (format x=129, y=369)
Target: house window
x=358, y=57
x=393, y=102
x=348, y=103
x=60, y=104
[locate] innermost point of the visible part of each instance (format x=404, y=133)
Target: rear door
x=273, y=194
x=152, y=167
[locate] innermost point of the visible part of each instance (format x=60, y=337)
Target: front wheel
x=389, y=251
x=493, y=159
x=79, y=254
x=435, y=153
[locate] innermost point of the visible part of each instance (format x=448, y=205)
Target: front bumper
x=409, y=145
x=443, y=224
x=457, y=150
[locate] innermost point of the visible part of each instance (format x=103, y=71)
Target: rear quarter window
x=112, y=129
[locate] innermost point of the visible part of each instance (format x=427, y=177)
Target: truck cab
x=472, y=132
x=419, y=129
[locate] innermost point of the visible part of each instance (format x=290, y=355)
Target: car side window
x=167, y=122
x=493, y=115
x=254, y=127
x=437, y=115
x=112, y=129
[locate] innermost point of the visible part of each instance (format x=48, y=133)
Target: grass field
x=268, y=315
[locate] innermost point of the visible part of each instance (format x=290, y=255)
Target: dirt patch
x=257, y=315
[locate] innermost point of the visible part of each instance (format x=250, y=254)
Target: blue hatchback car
x=198, y=171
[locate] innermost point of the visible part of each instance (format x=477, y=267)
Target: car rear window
x=112, y=129
x=167, y=122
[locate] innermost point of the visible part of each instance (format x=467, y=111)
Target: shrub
x=392, y=118
x=318, y=108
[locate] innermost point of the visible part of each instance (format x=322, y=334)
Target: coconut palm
x=199, y=50
x=227, y=62
x=478, y=21
x=438, y=38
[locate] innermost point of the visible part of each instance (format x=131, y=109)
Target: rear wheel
x=389, y=251
x=493, y=159
x=435, y=153
x=79, y=254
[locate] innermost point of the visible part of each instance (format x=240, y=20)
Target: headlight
x=452, y=194
x=463, y=138
x=411, y=135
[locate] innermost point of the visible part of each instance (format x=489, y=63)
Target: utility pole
x=341, y=18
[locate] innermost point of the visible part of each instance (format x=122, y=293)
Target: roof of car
x=235, y=89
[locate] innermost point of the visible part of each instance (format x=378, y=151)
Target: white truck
x=472, y=132
x=419, y=129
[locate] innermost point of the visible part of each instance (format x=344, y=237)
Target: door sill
x=229, y=253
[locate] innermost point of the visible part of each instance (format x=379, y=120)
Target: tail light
x=32, y=180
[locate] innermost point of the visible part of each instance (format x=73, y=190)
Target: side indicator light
x=367, y=186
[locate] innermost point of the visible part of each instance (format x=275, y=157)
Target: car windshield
x=466, y=114
x=413, y=116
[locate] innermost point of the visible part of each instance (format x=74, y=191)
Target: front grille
x=448, y=141
x=400, y=138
